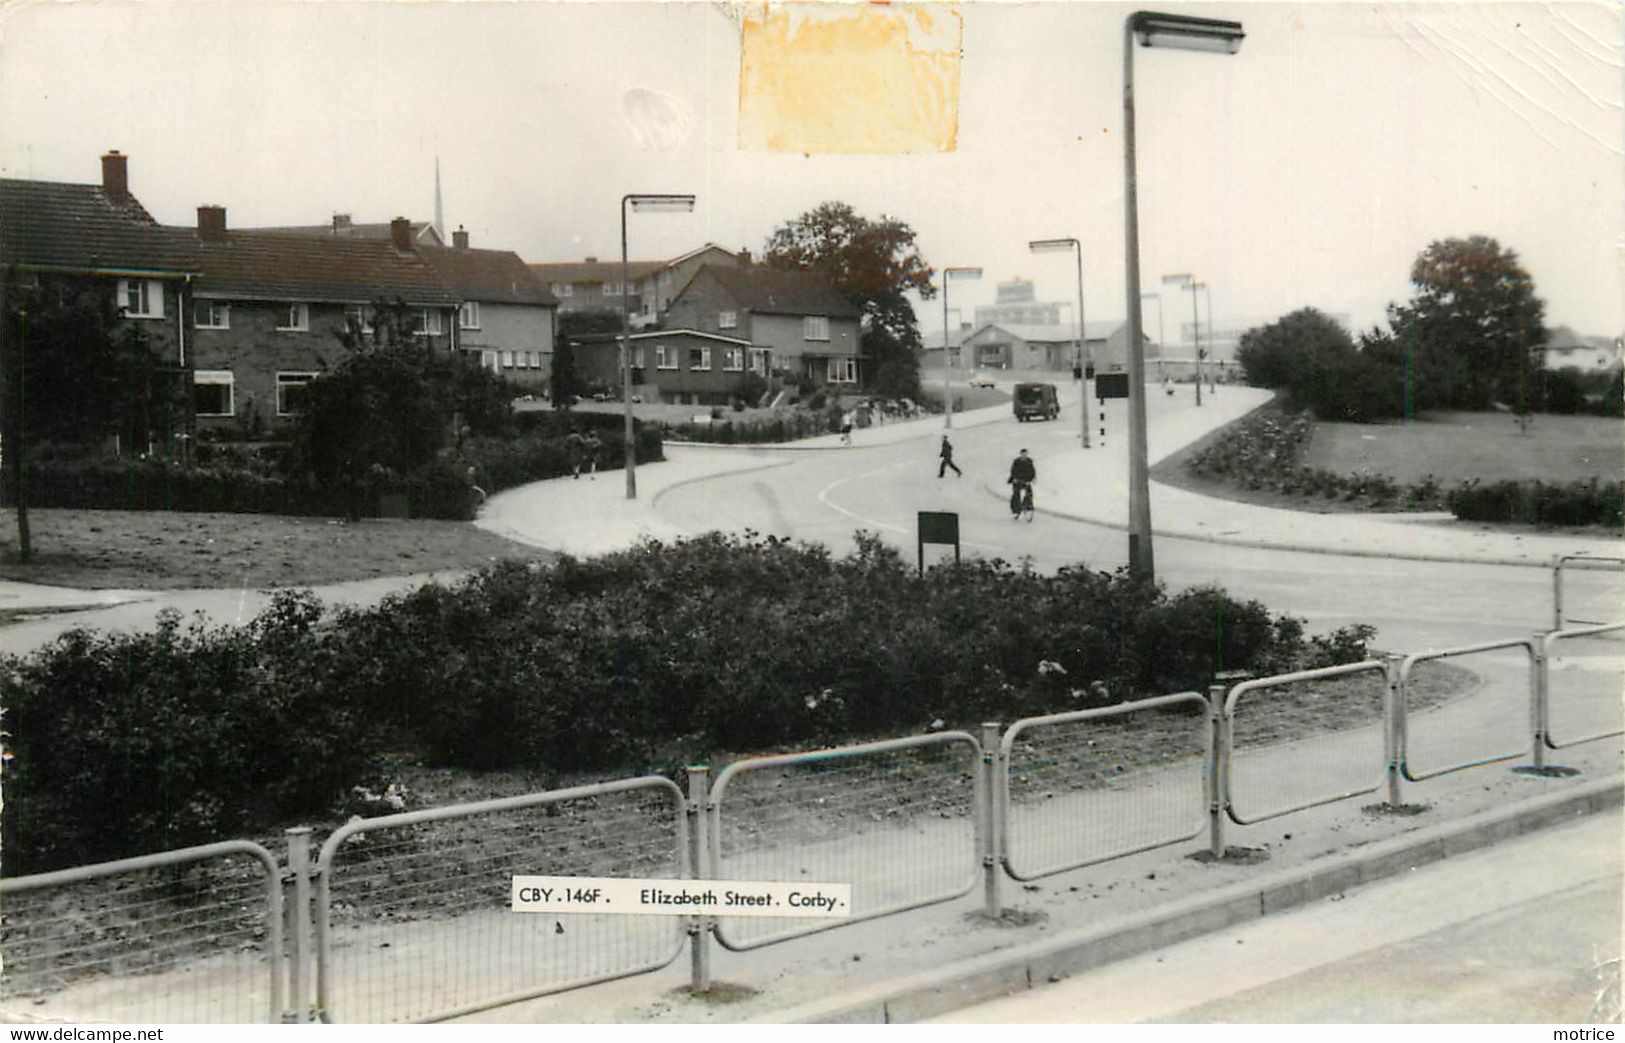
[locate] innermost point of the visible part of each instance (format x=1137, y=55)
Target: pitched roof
x=593, y=271
x=422, y=231
x=494, y=276
x=271, y=266
x=612, y=338
x=773, y=291
x=52, y=225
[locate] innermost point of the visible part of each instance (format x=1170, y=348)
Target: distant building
x=679, y=365
x=811, y=331
x=1015, y=303
x=594, y=285
x=1566, y=349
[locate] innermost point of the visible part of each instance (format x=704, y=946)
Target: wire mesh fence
x=894, y=819
x=1585, y=680
x=413, y=911
x=188, y=936
x=1081, y=788
x=1303, y=739
x=1464, y=707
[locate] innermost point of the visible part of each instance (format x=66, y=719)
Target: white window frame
x=563, y=289
x=218, y=314
x=491, y=360
x=727, y=320
x=637, y=356
x=665, y=357
x=842, y=371
x=507, y=359
x=296, y=319
x=149, y=298
x=614, y=289
x=359, y=315
x=815, y=327
x=217, y=378
x=733, y=360
x=299, y=379
x=430, y=323
x=705, y=360
x=468, y=316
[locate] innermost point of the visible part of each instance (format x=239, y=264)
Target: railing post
x=1394, y=723
x=1557, y=592
x=299, y=958
x=699, y=926
x=1538, y=710
x=1212, y=782
x=987, y=819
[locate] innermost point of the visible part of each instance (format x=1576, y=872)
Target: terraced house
x=249, y=316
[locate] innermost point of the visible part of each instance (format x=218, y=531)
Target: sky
x=1309, y=169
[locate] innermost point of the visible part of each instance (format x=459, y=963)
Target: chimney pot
x=459, y=238
x=211, y=223
x=341, y=223
x=115, y=176
x=400, y=233
x=744, y=258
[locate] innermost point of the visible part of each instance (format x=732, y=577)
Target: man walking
x=947, y=454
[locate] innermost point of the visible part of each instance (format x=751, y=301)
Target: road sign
x=937, y=527
x=1111, y=385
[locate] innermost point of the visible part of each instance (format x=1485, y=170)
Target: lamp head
x=660, y=203
x=1186, y=33
x=1181, y=280
x=1040, y=246
x=965, y=274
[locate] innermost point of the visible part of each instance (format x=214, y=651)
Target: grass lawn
x=1456, y=446
x=170, y=550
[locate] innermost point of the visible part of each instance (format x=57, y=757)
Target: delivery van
x=1036, y=402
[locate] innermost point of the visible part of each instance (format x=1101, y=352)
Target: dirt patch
x=174, y=550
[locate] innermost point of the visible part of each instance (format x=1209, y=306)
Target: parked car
x=1036, y=402
x=981, y=380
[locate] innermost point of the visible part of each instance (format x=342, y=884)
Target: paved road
x=1527, y=931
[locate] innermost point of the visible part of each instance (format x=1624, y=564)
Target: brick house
x=684, y=366
x=594, y=285
x=810, y=330
x=507, y=316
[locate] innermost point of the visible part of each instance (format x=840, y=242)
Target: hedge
x=1593, y=502
x=635, y=661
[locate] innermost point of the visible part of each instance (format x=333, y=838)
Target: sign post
x=937, y=527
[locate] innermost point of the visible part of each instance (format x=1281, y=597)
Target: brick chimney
x=341, y=224
x=592, y=260
x=211, y=223
x=400, y=233
x=459, y=238
x=115, y=176
x=744, y=259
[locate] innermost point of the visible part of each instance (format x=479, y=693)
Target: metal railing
x=1455, y=735
x=1324, y=765
x=903, y=821
x=1589, y=687
x=1076, y=789
x=185, y=936
x=1586, y=563
x=412, y=910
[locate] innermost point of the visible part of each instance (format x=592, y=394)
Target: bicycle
x=1021, y=499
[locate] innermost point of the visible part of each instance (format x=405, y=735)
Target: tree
x=1290, y=352
x=566, y=382
x=1473, y=330
x=874, y=264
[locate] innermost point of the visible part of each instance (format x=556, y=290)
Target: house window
x=815, y=327
x=359, y=319
x=699, y=359
x=843, y=371
x=212, y=392
x=290, y=392
x=562, y=289
x=614, y=289
x=507, y=360
x=727, y=320
x=295, y=319
x=490, y=360
x=665, y=358
x=211, y=315
x=733, y=359
x=429, y=324
x=468, y=316
x=141, y=298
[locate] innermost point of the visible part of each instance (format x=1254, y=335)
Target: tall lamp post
x=1151, y=30
x=948, y=276
x=1039, y=246
x=639, y=202
x=1207, y=292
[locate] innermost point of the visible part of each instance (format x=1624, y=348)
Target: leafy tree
x=572, y=324
x=1292, y=351
x=874, y=263
x=393, y=405
x=1473, y=329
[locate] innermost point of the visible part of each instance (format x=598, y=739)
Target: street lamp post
x=639, y=202
x=1152, y=30
x=1048, y=246
x=1185, y=281
x=949, y=275
x=1207, y=292
x=1162, y=366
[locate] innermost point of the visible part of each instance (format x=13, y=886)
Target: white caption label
x=633, y=897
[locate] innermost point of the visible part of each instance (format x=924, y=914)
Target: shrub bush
x=1591, y=502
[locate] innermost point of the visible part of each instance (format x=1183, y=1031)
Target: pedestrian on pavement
x=947, y=454
x=846, y=429
x=589, y=456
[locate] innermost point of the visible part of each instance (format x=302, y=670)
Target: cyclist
x=1022, y=476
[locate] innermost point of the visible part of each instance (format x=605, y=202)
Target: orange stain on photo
x=832, y=78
